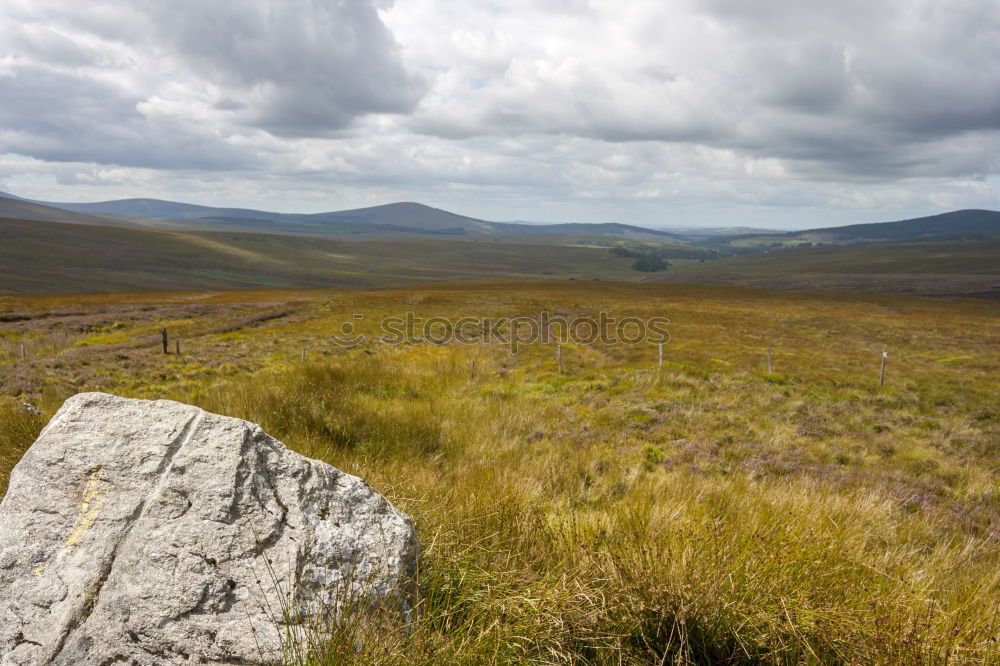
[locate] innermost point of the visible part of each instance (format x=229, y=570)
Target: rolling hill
x=405, y=219
x=395, y=219
x=38, y=256
x=959, y=225
x=974, y=224
x=14, y=208
x=149, y=243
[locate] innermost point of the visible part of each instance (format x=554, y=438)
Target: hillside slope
x=945, y=225
x=12, y=207
x=959, y=225
x=52, y=257
x=880, y=258
x=952, y=268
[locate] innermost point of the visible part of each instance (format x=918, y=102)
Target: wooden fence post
x=472, y=369
x=163, y=336
x=23, y=354
x=770, y=366
x=661, y=354
x=303, y=355
x=881, y=375
x=177, y=347
x=559, y=358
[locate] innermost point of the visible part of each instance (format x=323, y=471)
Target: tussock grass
x=705, y=513
x=18, y=429
x=548, y=546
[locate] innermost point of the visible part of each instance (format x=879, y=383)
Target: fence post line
x=23, y=354
x=163, y=339
x=472, y=369
x=770, y=366
x=303, y=354
x=177, y=347
x=661, y=354
x=559, y=357
x=881, y=374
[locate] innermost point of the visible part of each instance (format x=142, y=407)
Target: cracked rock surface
x=154, y=533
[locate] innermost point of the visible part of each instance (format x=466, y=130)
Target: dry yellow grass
x=706, y=512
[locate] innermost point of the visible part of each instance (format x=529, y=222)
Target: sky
x=770, y=113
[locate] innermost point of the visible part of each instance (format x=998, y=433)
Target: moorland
x=147, y=244
x=584, y=503
x=618, y=512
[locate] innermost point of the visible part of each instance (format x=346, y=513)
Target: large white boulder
x=153, y=532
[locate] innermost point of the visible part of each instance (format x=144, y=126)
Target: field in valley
x=926, y=268
x=877, y=258
x=708, y=511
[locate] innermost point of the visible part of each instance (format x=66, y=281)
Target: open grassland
x=945, y=269
x=947, y=258
x=705, y=512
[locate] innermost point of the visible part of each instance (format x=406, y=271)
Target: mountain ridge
x=414, y=219
x=404, y=217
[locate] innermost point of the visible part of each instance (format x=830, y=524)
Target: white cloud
x=632, y=110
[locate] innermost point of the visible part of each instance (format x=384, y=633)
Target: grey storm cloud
x=309, y=67
x=171, y=85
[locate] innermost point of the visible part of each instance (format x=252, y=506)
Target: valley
x=109, y=246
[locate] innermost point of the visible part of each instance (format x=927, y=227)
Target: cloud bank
x=791, y=112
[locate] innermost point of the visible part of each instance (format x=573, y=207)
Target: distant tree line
x=647, y=259
x=655, y=258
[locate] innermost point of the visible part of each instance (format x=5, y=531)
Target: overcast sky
x=779, y=113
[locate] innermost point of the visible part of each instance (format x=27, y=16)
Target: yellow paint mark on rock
x=90, y=508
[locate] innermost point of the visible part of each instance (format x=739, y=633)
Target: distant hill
x=959, y=225
x=710, y=232
x=975, y=224
x=396, y=219
x=39, y=256
x=415, y=220
x=590, y=229
x=165, y=210
x=392, y=218
x=26, y=210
